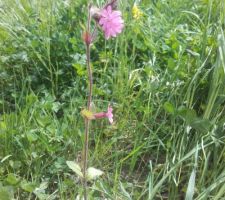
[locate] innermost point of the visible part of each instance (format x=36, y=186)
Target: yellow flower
x=137, y=13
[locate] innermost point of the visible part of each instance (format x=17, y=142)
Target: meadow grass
x=164, y=76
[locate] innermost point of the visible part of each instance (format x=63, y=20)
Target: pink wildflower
x=107, y=114
x=111, y=22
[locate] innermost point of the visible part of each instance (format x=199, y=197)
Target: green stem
x=87, y=121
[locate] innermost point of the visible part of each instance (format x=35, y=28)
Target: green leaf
x=42, y=196
x=93, y=173
x=3, y=125
x=190, y=116
x=201, y=125
x=44, y=121
x=81, y=70
x=6, y=193
x=169, y=107
x=12, y=179
x=75, y=167
x=15, y=164
x=40, y=191
x=32, y=136
x=171, y=63
x=191, y=186
x=187, y=114
x=28, y=186
x=56, y=106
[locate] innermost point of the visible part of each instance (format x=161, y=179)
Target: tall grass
x=164, y=75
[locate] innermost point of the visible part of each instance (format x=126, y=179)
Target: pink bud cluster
x=109, y=20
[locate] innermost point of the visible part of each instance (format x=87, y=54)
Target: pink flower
x=111, y=22
x=107, y=114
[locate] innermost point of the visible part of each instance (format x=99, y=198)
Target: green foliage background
x=164, y=76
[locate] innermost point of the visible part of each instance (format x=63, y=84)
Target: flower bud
x=95, y=12
x=112, y=3
x=87, y=38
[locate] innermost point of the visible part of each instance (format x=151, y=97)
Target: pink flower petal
x=108, y=114
x=111, y=120
x=109, y=9
x=111, y=22
x=116, y=14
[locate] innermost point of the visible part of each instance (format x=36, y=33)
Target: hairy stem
x=87, y=121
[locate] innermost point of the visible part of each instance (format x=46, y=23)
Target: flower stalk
x=111, y=23
x=87, y=40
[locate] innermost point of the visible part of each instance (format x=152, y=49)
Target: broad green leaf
x=187, y=114
x=191, y=118
x=80, y=69
x=12, y=179
x=3, y=125
x=42, y=196
x=15, y=164
x=171, y=63
x=75, y=167
x=93, y=173
x=40, y=191
x=202, y=125
x=27, y=186
x=169, y=107
x=6, y=193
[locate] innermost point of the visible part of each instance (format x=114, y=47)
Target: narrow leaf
x=191, y=186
